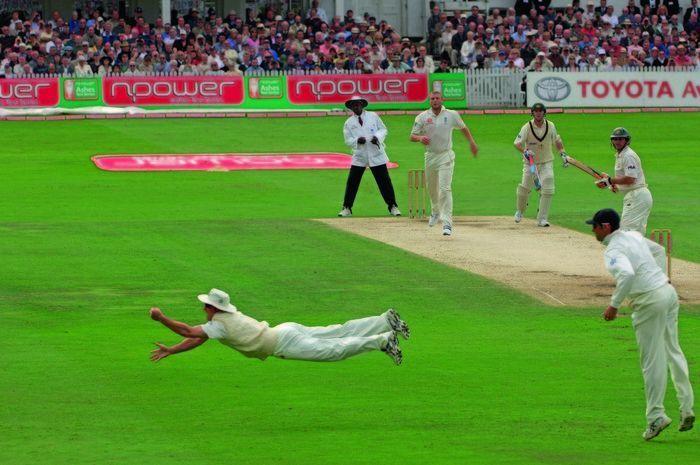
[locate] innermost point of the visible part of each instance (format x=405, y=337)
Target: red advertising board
x=224, y=162
x=337, y=88
x=27, y=93
x=173, y=90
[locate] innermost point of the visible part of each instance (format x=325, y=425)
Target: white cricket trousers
x=655, y=321
x=439, y=170
x=636, y=207
x=332, y=343
x=527, y=183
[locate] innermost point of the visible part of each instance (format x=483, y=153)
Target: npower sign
x=23, y=93
x=173, y=90
x=336, y=89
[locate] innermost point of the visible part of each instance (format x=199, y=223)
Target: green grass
x=490, y=376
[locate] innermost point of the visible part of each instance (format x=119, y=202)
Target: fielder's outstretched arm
x=183, y=329
x=164, y=351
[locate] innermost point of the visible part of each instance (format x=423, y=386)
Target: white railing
x=495, y=88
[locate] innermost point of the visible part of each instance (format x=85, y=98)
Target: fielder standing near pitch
x=255, y=339
x=637, y=265
x=535, y=139
x=433, y=128
x=364, y=133
x=629, y=179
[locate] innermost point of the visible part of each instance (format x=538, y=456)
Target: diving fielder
x=629, y=179
x=537, y=136
x=433, y=128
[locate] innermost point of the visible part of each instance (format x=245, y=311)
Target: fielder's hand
x=425, y=140
x=610, y=314
x=375, y=141
x=160, y=353
x=361, y=140
x=604, y=182
x=564, y=159
x=156, y=313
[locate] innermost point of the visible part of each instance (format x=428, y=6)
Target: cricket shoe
x=434, y=219
x=543, y=223
x=687, y=421
x=397, y=324
x=394, y=211
x=447, y=230
x=656, y=427
x=392, y=349
x=345, y=212
x=518, y=216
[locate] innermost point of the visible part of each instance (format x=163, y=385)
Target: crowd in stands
x=534, y=36
x=531, y=35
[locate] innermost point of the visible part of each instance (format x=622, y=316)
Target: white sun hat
x=218, y=299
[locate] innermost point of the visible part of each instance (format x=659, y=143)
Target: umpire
x=364, y=133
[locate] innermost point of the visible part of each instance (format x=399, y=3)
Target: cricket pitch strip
x=558, y=266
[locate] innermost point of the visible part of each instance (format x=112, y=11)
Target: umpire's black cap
x=606, y=216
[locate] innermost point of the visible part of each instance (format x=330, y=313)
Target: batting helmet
x=538, y=107
x=620, y=132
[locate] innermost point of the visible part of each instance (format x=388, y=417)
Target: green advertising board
x=81, y=92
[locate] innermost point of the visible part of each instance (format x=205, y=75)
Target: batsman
x=535, y=141
x=629, y=179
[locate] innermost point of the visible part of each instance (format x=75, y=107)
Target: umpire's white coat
x=367, y=154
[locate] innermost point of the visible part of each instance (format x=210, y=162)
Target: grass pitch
x=490, y=376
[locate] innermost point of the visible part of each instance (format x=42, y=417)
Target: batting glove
x=564, y=159
x=527, y=155
x=604, y=182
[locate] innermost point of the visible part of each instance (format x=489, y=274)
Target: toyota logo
x=552, y=89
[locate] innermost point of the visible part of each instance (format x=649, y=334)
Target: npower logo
x=176, y=90
x=29, y=92
x=336, y=89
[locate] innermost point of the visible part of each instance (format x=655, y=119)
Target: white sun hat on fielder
x=218, y=299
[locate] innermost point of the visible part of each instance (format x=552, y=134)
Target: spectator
x=467, y=55
x=502, y=60
x=396, y=65
x=604, y=62
x=555, y=57
x=541, y=63
x=82, y=69
x=443, y=67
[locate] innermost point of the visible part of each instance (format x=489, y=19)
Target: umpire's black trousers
x=381, y=175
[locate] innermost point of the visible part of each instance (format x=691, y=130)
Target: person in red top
x=682, y=58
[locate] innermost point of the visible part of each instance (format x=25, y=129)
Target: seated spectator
x=132, y=70
x=396, y=65
x=682, y=58
x=82, y=69
x=603, y=62
x=501, y=61
x=420, y=67
x=443, y=67
x=555, y=57
x=541, y=62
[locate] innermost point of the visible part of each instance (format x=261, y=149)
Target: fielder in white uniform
x=537, y=136
x=433, y=128
x=629, y=179
x=638, y=265
x=255, y=339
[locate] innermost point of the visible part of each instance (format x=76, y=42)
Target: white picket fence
x=495, y=88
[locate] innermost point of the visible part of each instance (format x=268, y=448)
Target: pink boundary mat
x=225, y=162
